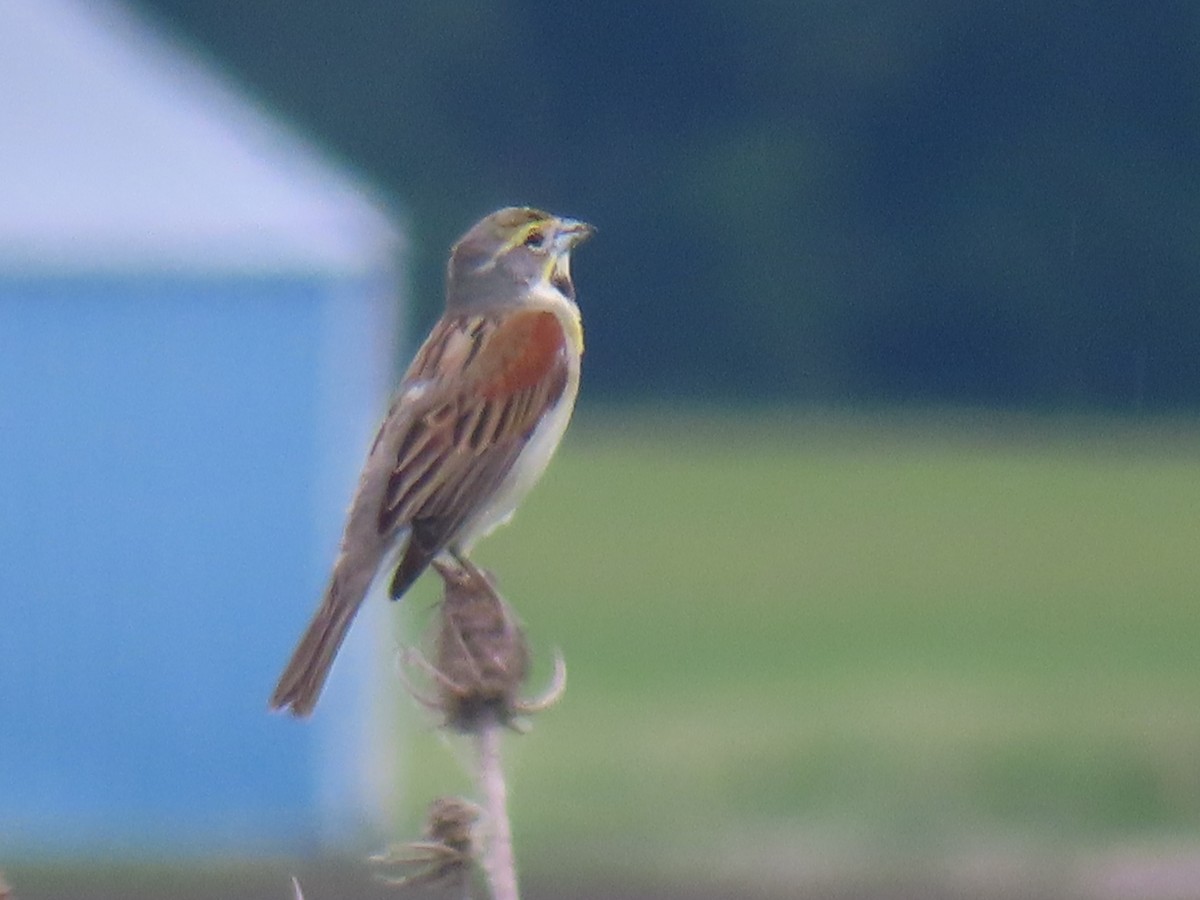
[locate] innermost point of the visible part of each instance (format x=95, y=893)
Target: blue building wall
x=174, y=455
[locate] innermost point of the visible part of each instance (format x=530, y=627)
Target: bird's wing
x=468, y=405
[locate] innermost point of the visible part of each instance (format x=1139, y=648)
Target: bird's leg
x=464, y=564
x=472, y=571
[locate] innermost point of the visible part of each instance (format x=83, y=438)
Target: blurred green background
x=805, y=643
x=876, y=538
x=903, y=200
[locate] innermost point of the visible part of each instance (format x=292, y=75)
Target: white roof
x=119, y=150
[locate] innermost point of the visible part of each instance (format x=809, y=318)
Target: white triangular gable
x=119, y=149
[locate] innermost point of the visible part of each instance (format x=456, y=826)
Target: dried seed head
x=448, y=853
x=451, y=821
x=481, y=654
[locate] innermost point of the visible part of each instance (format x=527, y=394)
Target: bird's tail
x=302, y=680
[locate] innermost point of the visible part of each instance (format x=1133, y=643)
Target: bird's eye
x=535, y=239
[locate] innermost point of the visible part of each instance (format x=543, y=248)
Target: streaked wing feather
x=501, y=376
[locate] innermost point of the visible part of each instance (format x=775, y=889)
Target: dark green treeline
x=932, y=201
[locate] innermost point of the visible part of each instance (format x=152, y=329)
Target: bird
x=468, y=431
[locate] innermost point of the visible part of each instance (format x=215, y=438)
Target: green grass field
x=810, y=636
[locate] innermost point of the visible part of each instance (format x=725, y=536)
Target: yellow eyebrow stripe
x=518, y=238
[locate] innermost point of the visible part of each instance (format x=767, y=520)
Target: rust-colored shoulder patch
x=521, y=352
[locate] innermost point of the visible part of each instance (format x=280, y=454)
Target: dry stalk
x=481, y=660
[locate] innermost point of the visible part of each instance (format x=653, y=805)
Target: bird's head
x=512, y=255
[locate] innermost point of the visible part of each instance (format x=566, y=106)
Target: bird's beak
x=572, y=232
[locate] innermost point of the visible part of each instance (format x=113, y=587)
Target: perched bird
x=469, y=431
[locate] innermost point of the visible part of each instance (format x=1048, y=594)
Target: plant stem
x=498, y=864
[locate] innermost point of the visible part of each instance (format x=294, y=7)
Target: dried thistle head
x=447, y=854
x=480, y=651
x=451, y=821
x=481, y=658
